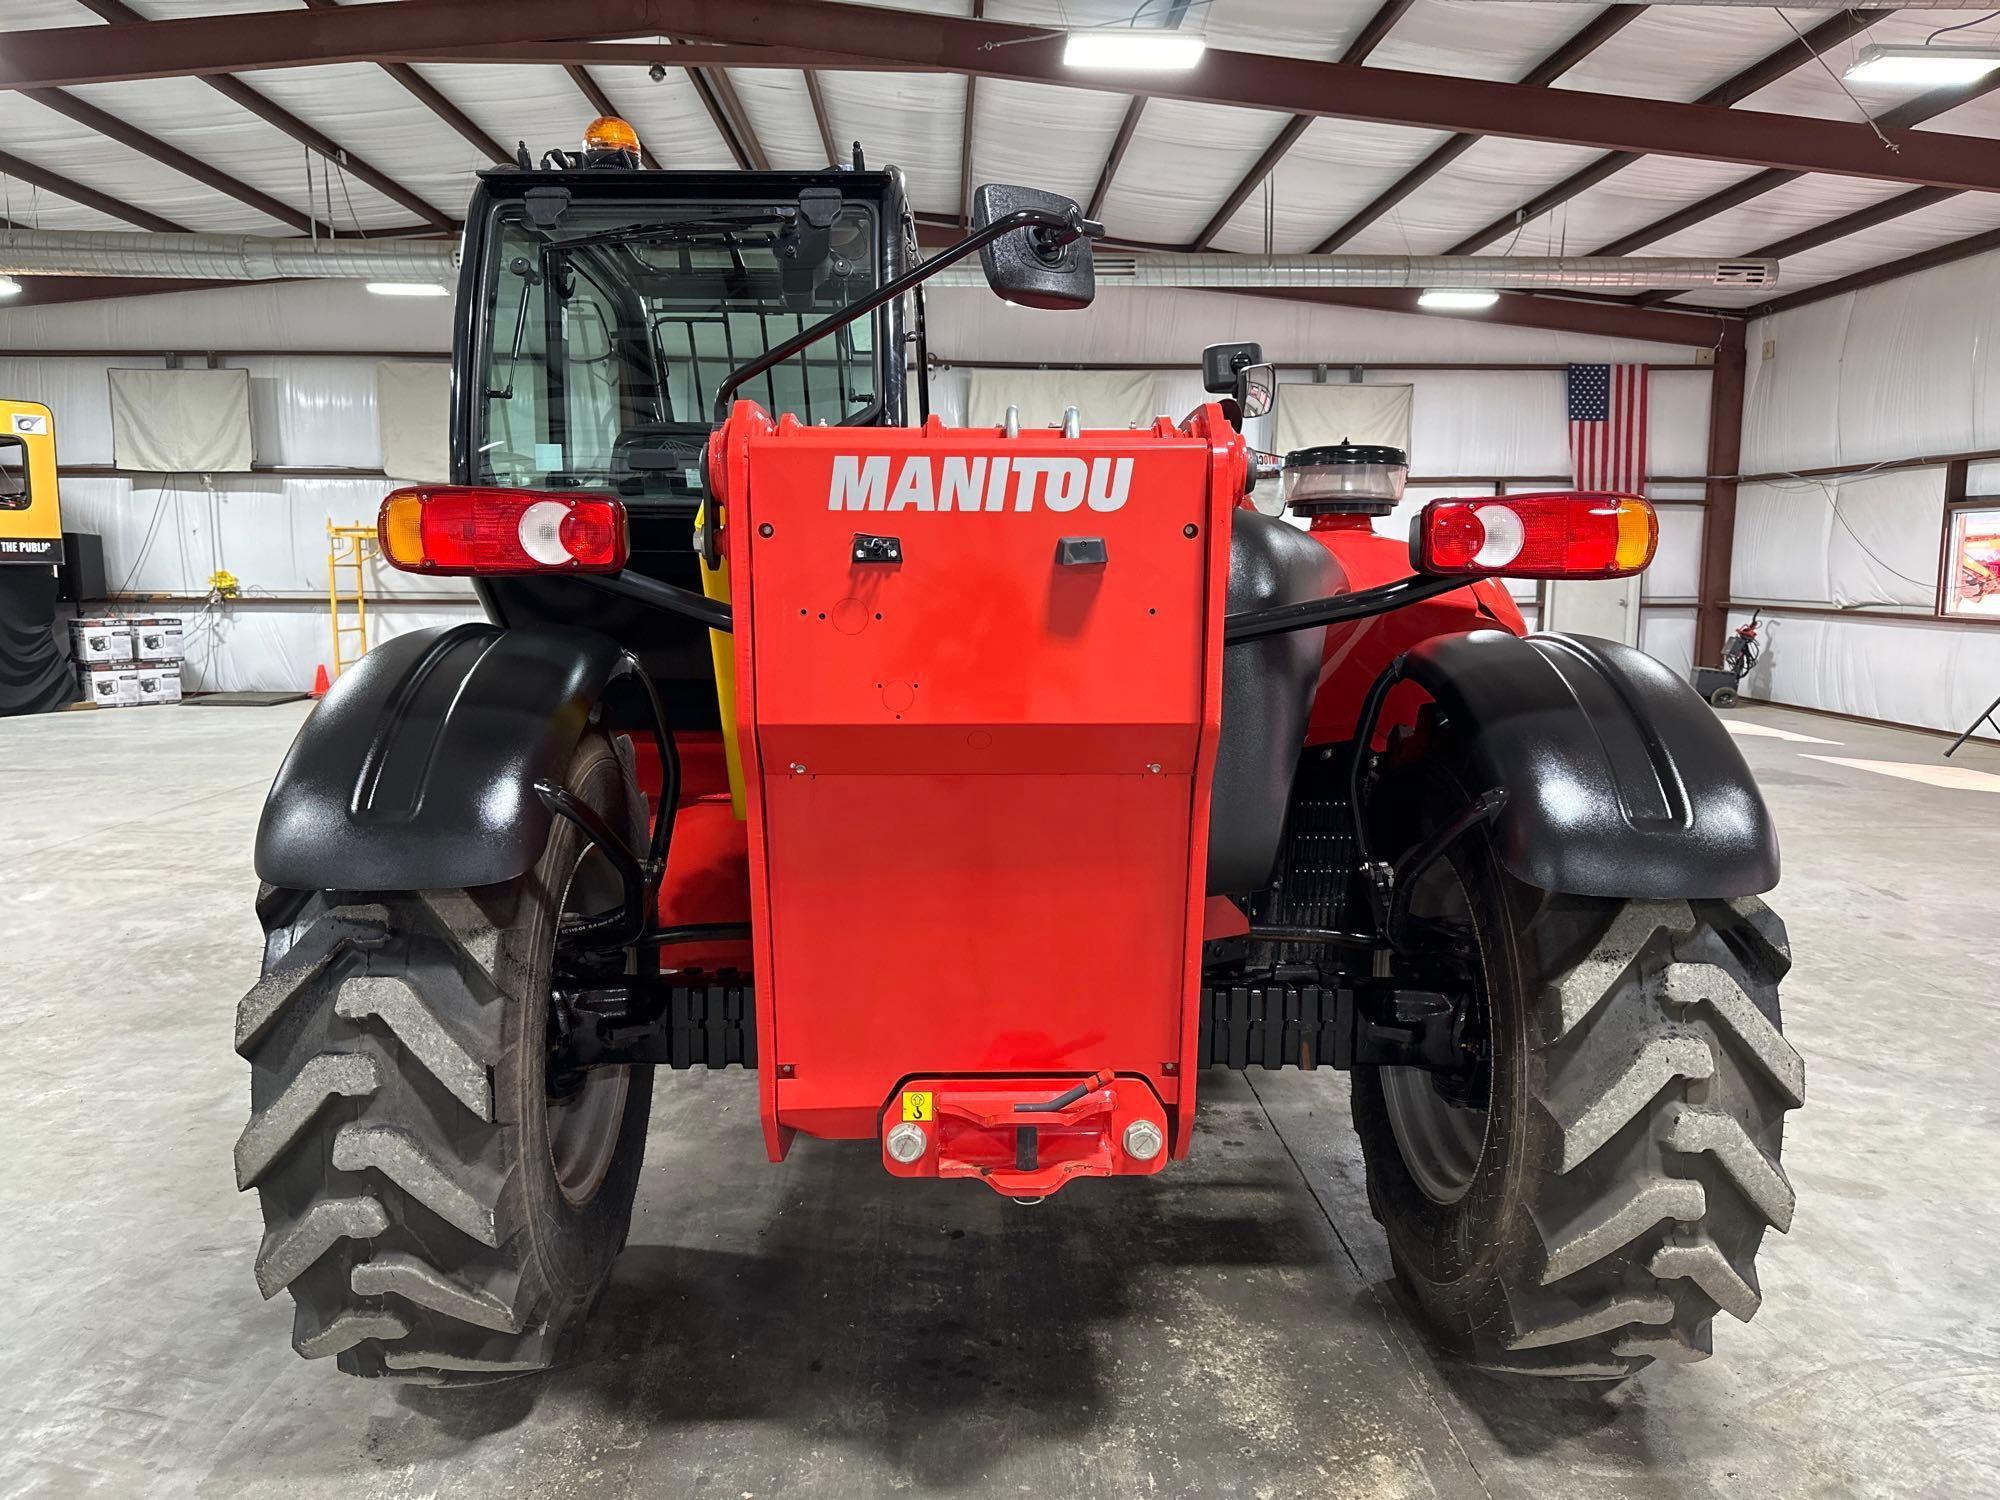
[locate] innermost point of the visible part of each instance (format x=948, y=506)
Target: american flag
x=1607, y=427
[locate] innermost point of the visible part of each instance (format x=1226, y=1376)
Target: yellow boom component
x=715, y=584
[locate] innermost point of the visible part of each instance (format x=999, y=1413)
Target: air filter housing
x=1345, y=478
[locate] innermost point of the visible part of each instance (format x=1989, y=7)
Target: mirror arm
x=1053, y=232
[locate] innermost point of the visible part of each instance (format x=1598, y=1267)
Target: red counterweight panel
x=978, y=767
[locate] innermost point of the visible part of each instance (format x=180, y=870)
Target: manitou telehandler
x=979, y=787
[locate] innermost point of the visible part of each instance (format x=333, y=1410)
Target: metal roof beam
x=731, y=120
x=821, y=118
x=1924, y=260
x=212, y=44
x=1115, y=158
x=1604, y=26
x=427, y=94
x=89, y=197
x=1760, y=74
x=112, y=128
x=237, y=92
x=1366, y=41
x=1913, y=112
x=600, y=101
x=965, y=135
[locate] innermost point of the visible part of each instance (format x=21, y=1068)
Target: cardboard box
x=158, y=685
x=157, y=640
x=97, y=640
x=109, y=687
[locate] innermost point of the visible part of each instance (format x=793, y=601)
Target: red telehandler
x=980, y=788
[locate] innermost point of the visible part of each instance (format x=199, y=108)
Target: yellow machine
x=30, y=521
x=33, y=675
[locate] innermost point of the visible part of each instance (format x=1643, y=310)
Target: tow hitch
x=1024, y=1137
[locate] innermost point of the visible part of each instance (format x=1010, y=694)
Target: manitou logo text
x=984, y=484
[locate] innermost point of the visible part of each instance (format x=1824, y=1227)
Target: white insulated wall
x=1904, y=370
x=168, y=534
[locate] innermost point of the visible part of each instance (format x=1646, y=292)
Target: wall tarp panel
x=1907, y=672
x=1667, y=635
x=1859, y=539
x=312, y=411
x=1103, y=398
x=413, y=408
x=181, y=421
x=1676, y=569
x=1312, y=415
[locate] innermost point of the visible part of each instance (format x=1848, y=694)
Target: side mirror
x=1222, y=363
x=1257, y=391
x=1020, y=266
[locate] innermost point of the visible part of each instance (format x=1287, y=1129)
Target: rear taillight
x=1563, y=535
x=465, y=529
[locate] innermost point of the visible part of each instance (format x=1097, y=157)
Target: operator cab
x=601, y=306
x=608, y=313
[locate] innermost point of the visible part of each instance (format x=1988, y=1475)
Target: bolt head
x=907, y=1143
x=1144, y=1140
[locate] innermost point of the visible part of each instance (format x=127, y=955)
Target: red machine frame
x=1092, y=831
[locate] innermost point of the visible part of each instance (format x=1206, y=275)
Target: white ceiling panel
x=1785, y=210
x=187, y=114
x=671, y=120
x=1646, y=190
x=34, y=15
x=1477, y=38
x=1039, y=136
x=780, y=112
x=1680, y=52
x=1494, y=177
x=1335, y=169
x=363, y=110
x=1926, y=229
x=1183, y=162
x=1979, y=116
x=907, y=120
x=40, y=135
x=1819, y=92
x=541, y=106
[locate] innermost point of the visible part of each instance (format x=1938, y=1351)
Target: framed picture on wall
x=1972, y=562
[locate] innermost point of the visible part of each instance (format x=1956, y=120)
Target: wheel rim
x=1441, y=1141
x=583, y=1127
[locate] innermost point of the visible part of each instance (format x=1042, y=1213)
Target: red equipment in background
x=978, y=694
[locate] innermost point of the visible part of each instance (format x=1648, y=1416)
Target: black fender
x=1620, y=780
x=1267, y=694
x=416, y=771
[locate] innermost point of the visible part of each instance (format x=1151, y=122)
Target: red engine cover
x=977, y=774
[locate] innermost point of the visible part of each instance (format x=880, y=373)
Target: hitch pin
x=1066, y=1098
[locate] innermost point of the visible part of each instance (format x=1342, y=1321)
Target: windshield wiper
x=708, y=227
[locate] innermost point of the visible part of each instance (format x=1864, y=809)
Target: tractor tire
x=435, y=1216
x=1611, y=1197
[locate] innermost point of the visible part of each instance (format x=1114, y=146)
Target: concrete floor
x=1227, y=1329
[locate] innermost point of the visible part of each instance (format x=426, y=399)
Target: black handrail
x=1255, y=624
x=1057, y=230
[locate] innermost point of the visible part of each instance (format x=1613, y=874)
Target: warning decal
x=917, y=1105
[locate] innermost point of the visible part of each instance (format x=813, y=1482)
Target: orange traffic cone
x=321, y=682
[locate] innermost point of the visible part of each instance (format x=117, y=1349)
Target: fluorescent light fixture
x=1922, y=67
x=1128, y=49
x=408, y=289
x=1460, y=298
x=9, y=287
